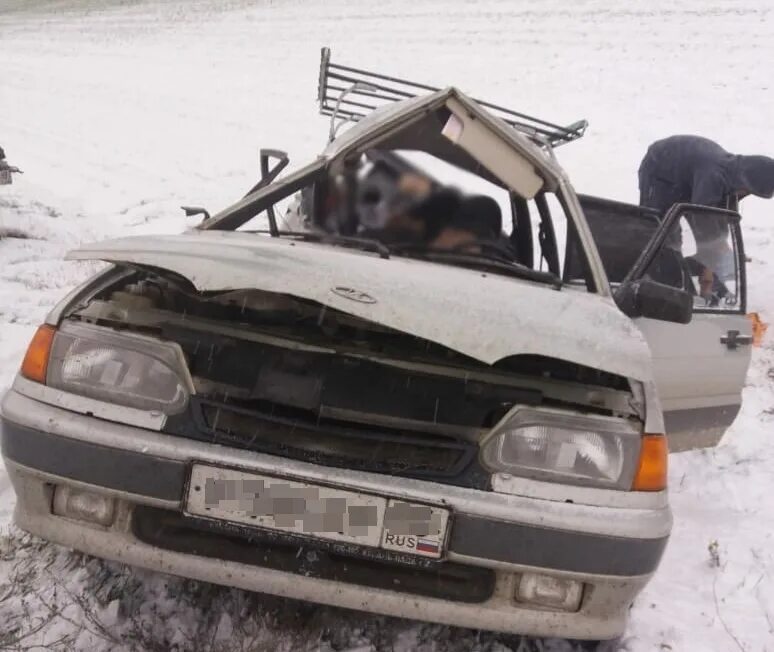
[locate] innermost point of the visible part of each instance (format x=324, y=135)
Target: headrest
x=481, y=215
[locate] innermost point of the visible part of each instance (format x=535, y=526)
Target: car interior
x=369, y=192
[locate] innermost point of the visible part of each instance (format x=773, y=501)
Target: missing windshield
x=440, y=186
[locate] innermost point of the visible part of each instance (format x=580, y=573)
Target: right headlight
x=561, y=446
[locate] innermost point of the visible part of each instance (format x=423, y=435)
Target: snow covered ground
x=118, y=115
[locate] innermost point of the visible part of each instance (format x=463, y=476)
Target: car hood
x=482, y=315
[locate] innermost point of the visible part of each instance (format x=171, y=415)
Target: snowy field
x=118, y=115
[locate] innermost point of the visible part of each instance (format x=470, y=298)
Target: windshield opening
x=414, y=204
x=443, y=186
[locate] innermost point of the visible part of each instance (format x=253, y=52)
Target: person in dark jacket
x=696, y=170
x=699, y=171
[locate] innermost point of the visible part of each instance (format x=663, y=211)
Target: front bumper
x=612, y=550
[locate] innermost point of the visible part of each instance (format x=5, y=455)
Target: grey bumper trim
x=698, y=427
x=113, y=468
x=471, y=536
x=577, y=552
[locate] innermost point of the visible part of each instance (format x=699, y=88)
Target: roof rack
x=350, y=94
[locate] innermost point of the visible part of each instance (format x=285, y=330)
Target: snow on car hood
x=482, y=315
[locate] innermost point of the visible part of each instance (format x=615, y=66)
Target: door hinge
x=733, y=340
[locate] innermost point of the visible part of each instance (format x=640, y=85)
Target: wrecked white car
x=447, y=426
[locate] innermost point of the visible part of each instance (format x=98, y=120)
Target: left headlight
x=566, y=447
x=124, y=369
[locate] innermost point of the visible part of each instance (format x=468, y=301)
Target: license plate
x=313, y=510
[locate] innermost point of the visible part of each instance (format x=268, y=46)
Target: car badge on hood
x=352, y=294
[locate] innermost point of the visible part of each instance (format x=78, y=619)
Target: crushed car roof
x=480, y=142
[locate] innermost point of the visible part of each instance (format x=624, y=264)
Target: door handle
x=733, y=340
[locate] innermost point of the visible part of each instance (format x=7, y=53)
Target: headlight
x=559, y=446
x=129, y=370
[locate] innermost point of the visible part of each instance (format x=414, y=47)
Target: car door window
x=700, y=251
x=713, y=263
x=621, y=233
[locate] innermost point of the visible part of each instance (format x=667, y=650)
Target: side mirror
x=646, y=298
x=196, y=210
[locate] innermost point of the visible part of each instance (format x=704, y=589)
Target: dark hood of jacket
x=756, y=174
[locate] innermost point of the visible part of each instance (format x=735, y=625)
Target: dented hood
x=482, y=315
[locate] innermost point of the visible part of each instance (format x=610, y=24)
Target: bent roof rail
x=351, y=94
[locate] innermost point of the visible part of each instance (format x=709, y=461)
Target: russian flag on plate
x=427, y=545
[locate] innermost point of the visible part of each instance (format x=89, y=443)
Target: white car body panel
x=692, y=368
x=698, y=378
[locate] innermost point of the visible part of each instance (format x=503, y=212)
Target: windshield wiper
x=495, y=263
x=365, y=244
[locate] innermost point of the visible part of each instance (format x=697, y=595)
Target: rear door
x=699, y=367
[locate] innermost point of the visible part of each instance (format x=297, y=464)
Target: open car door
x=700, y=367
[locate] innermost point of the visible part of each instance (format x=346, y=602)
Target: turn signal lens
x=35, y=362
x=652, y=467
